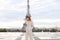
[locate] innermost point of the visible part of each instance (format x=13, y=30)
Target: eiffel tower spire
x=28, y=9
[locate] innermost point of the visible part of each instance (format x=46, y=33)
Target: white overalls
x=29, y=27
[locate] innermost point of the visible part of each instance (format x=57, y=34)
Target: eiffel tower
x=27, y=15
x=24, y=25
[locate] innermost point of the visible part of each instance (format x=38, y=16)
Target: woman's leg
x=26, y=36
x=30, y=35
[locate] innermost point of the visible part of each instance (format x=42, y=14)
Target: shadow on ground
x=36, y=38
x=20, y=37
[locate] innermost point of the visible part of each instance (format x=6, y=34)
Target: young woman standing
x=29, y=27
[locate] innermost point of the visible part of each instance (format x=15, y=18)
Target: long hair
x=29, y=18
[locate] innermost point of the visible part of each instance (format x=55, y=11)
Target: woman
x=29, y=28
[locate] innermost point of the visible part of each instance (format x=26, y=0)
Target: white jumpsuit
x=29, y=28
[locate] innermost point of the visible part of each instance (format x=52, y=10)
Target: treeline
x=34, y=30
x=9, y=30
x=3, y=30
x=43, y=30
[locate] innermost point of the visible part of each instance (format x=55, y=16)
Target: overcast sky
x=12, y=12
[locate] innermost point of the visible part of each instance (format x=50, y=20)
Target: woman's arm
x=24, y=26
x=32, y=25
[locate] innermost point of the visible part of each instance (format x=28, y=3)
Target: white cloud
x=11, y=24
x=42, y=5
x=48, y=23
x=12, y=5
x=14, y=11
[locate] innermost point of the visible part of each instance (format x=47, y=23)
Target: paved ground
x=42, y=36
x=36, y=36
x=22, y=37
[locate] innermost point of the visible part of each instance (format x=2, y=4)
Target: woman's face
x=27, y=19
